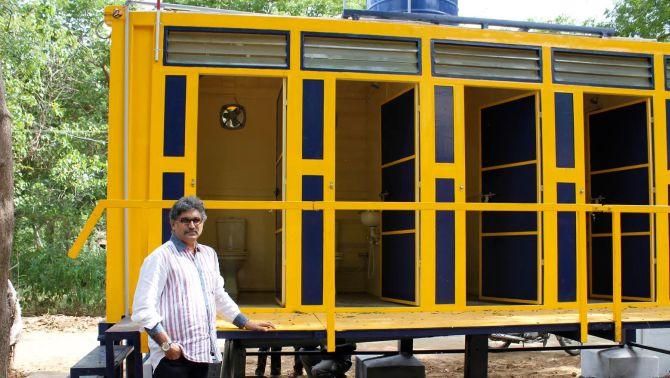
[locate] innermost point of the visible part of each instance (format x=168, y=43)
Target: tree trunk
x=6, y=223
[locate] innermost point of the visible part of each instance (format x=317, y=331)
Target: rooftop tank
x=448, y=7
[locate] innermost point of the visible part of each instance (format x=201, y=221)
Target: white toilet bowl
x=231, y=235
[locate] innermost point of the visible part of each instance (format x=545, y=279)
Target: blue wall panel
x=444, y=124
x=565, y=127
x=312, y=243
x=174, y=116
x=445, y=244
x=508, y=132
x=398, y=128
x=567, y=245
x=173, y=189
x=509, y=267
x=398, y=267
x=312, y=119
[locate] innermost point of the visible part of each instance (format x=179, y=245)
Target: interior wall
x=475, y=99
x=240, y=165
x=358, y=175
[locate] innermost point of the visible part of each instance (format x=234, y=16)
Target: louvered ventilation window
x=226, y=48
x=360, y=54
x=603, y=69
x=489, y=62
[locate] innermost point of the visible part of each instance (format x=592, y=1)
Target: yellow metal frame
x=146, y=164
x=617, y=306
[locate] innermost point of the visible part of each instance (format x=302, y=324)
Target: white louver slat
x=491, y=62
x=602, y=69
x=360, y=54
x=226, y=48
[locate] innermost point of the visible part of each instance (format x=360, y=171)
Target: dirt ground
x=50, y=345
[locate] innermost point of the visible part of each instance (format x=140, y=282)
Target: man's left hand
x=259, y=326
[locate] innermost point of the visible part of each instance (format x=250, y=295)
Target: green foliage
x=54, y=67
x=642, y=18
x=312, y=8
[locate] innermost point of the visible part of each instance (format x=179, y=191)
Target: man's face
x=188, y=226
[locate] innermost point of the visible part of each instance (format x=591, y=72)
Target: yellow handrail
x=581, y=211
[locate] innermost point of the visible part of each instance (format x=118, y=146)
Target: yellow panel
x=114, y=263
x=293, y=186
x=548, y=158
x=662, y=176
x=139, y=139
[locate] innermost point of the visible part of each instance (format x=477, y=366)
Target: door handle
x=487, y=197
x=383, y=195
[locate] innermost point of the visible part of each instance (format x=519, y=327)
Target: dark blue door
x=398, y=185
x=619, y=174
x=279, y=181
x=509, y=257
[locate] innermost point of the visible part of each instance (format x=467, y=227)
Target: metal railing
x=329, y=208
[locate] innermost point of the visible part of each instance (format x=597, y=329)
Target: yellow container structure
x=519, y=178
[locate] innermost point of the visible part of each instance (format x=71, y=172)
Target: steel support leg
x=239, y=359
x=476, y=356
x=406, y=346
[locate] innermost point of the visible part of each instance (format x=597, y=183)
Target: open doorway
x=503, y=165
x=619, y=170
x=376, y=160
x=241, y=127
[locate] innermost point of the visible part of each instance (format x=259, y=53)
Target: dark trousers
x=275, y=362
x=330, y=366
x=180, y=368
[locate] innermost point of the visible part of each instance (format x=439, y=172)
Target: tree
x=311, y=8
x=6, y=223
x=642, y=18
x=54, y=66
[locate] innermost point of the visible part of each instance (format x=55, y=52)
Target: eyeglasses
x=186, y=221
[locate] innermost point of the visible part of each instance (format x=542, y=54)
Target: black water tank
x=449, y=7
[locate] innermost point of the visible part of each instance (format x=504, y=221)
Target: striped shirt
x=183, y=291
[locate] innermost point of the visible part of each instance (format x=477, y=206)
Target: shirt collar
x=180, y=245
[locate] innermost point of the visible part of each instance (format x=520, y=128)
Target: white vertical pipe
x=158, y=24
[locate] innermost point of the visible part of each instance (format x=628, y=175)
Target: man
x=15, y=318
x=178, y=296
